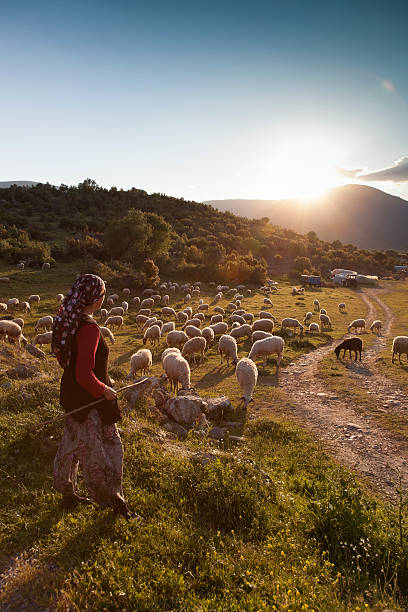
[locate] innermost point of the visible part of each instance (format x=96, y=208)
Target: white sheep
x=267, y=346
x=115, y=321
x=166, y=299
x=316, y=305
x=263, y=324
x=268, y=301
x=167, y=327
x=41, y=339
x=325, y=321
x=3, y=307
x=376, y=327
x=264, y=314
x=199, y=315
x=203, y=307
x=237, y=319
x=323, y=311
x=20, y=266
x=25, y=307
x=149, y=322
x=126, y=291
x=314, y=327
x=177, y=371
x=45, y=266
x=220, y=310
x=217, y=318
x=136, y=300
x=260, y=335
x=19, y=322
x=166, y=311
x=187, y=298
x=113, y=296
x=182, y=317
x=193, y=346
x=307, y=318
x=125, y=306
x=248, y=316
x=357, y=324
x=117, y=310
x=152, y=334
x=208, y=334
x=167, y=351
x=290, y=323
x=157, y=298
x=189, y=311
x=192, y=331
x=106, y=333
x=44, y=323
x=247, y=376
x=12, y=331
x=12, y=303
x=60, y=297
x=147, y=312
x=110, y=302
x=244, y=331
x=399, y=347
x=196, y=322
x=147, y=303
x=219, y=328
x=227, y=345
x=342, y=307
x=34, y=299
x=176, y=338
x=141, y=360
x=103, y=313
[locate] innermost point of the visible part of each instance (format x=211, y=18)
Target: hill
x=7, y=184
x=359, y=214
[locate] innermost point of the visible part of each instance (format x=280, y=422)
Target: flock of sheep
x=194, y=337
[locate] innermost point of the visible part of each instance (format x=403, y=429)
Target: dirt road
x=353, y=437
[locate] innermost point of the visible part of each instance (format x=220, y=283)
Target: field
x=272, y=523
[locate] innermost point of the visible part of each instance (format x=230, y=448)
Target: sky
x=206, y=100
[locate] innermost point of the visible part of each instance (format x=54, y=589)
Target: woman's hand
x=109, y=393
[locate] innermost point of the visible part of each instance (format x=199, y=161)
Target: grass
x=271, y=524
x=396, y=298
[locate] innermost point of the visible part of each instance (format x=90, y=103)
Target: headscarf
x=86, y=290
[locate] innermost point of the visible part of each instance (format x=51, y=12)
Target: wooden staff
x=101, y=399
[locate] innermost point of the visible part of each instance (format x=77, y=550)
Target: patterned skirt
x=98, y=450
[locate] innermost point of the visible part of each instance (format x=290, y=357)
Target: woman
x=91, y=437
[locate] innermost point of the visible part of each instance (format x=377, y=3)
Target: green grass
x=396, y=297
x=271, y=524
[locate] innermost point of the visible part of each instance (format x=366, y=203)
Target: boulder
x=36, y=352
x=177, y=429
x=217, y=406
x=134, y=393
x=185, y=409
x=218, y=433
x=22, y=370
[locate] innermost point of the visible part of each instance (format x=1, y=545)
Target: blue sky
x=206, y=100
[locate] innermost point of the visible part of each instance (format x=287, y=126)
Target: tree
x=302, y=263
x=126, y=239
x=160, y=235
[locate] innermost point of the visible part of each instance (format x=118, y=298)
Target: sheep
x=219, y=328
x=44, y=322
x=136, y=300
x=314, y=327
x=125, y=306
x=264, y=314
x=126, y=291
x=103, y=313
x=260, y=335
x=113, y=296
x=217, y=318
x=194, y=322
x=148, y=291
x=166, y=299
x=316, y=305
x=41, y=339
x=145, y=311
x=167, y=327
x=227, y=345
x=110, y=302
x=115, y=321
x=248, y=316
x=12, y=303
x=25, y=307
x=189, y=311
x=157, y=298
x=357, y=324
x=267, y=346
x=3, y=307
x=60, y=297
x=182, y=317
x=263, y=324
x=323, y=311
x=217, y=298
x=350, y=344
x=141, y=320
x=118, y=310
x=231, y=306
x=153, y=334
x=288, y=322
x=45, y=266
x=176, y=338
x=376, y=327
x=307, y=318
x=187, y=298
x=325, y=321
x=220, y=310
x=177, y=371
x=242, y=331
x=235, y=325
x=192, y=331
x=19, y=322
x=237, y=319
x=167, y=351
x=141, y=360
x=151, y=321
x=239, y=311
x=194, y=345
x=13, y=332
x=399, y=346
x=147, y=303
x=294, y=291
x=342, y=307
x=247, y=376
x=268, y=301
x=106, y=333
x=208, y=334
x=199, y=315
x=20, y=266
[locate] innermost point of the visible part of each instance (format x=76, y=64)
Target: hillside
x=7, y=184
x=365, y=216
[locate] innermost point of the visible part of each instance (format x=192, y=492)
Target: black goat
x=351, y=344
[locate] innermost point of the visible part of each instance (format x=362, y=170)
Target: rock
x=133, y=394
x=217, y=406
x=185, y=409
x=204, y=458
x=218, y=433
x=352, y=426
x=6, y=385
x=36, y=352
x=177, y=429
x=233, y=426
x=22, y=370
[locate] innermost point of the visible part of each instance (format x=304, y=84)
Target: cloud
x=349, y=173
x=398, y=172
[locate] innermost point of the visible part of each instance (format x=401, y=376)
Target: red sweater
x=87, y=342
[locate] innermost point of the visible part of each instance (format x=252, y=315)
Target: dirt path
x=355, y=439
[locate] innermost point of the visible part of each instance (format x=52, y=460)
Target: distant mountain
x=355, y=214
x=7, y=184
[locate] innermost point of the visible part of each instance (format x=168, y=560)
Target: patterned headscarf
x=86, y=290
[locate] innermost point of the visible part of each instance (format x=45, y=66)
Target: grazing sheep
x=323, y=311
x=177, y=371
x=192, y=331
x=148, y=291
x=147, y=303
x=350, y=344
x=141, y=320
x=357, y=324
x=3, y=307
x=182, y=317
x=217, y=318
x=167, y=311
x=153, y=334
x=203, y=307
x=314, y=327
x=193, y=346
x=126, y=291
x=195, y=322
x=227, y=345
x=115, y=321
x=189, y=311
x=264, y=314
x=376, y=327
x=244, y=331
x=166, y=299
x=19, y=322
x=20, y=266
x=136, y=300
x=208, y=334
x=45, y=266
x=325, y=321
x=290, y=323
x=237, y=319
x=268, y=301
x=268, y=346
x=187, y=298
x=169, y=350
x=260, y=335
x=235, y=325
x=342, y=307
x=117, y=310
x=145, y=311
x=220, y=310
x=41, y=339
x=141, y=360
x=167, y=327
x=60, y=297
x=199, y=315
x=247, y=376
x=231, y=306
x=307, y=318
x=157, y=298
x=12, y=303
x=316, y=305
x=106, y=333
x=176, y=338
x=219, y=328
x=248, y=316
x=399, y=347
x=109, y=302
x=149, y=322
x=13, y=332
x=25, y=307
x=44, y=323
x=103, y=313
x=125, y=306
x=113, y=296
x=294, y=291
x=263, y=324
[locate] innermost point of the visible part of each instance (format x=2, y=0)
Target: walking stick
x=101, y=399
